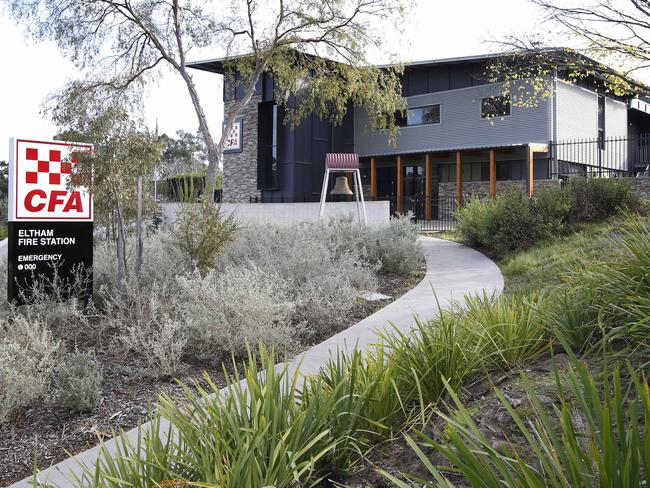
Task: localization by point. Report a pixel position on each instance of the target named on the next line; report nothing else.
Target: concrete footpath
(453, 271)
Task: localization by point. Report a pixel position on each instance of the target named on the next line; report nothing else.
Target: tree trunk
(215, 151)
(138, 230)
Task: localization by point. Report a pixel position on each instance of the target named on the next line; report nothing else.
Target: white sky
(435, 29)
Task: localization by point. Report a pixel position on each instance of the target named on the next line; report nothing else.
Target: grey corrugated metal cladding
(460, 125)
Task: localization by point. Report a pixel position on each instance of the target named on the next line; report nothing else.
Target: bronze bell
(341, 187)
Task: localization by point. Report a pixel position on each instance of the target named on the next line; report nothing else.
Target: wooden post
(427, 187)
(400, 185)
(459, 178)
(493, 174)
(373, 179)
(531, 173)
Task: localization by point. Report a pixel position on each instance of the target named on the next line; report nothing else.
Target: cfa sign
(234, 139)
(41, 174)
(50, 221)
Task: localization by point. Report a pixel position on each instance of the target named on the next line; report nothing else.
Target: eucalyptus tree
(119, 45)
(124, 152)
(609, 39)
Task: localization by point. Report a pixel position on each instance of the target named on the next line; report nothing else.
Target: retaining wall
(642, 186)
(290, 213)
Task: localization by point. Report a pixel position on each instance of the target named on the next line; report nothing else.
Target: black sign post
(50, 254)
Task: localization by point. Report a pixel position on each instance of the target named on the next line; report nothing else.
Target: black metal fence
(431, 214)
(601, 157)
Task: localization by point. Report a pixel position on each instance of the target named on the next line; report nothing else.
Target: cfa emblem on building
(50, 220)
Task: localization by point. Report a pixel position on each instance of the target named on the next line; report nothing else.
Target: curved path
(453, 271)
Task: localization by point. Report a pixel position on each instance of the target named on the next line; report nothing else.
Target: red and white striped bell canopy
(342, 161)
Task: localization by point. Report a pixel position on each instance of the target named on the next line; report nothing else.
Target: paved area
(453, 271)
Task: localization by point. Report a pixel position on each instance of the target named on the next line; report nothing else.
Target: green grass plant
(599, 438)
(257, 433)
(617, 284)
(545, 264)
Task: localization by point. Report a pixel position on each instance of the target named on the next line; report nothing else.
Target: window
(493, 107)
(429, 114)
(472, 172)
(447, 173)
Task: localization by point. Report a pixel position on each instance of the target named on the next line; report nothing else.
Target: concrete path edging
(453, 271)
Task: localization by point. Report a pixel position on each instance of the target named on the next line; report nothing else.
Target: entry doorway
(414, 187)
(387, 186)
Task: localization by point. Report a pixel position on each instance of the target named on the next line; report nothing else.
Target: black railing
(601, 157)
(431, 214)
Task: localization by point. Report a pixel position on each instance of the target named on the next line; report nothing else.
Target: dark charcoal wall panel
(438, 78)
(343, 134)
(460, 76)
(321, 129)
(264, 145)
(317, 168)
(417, 81)
(302, 175)
(286, 138)
(302, 141)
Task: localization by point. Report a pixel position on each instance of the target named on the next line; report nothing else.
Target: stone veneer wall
(642, 186)
(448, 189)
(240, 169)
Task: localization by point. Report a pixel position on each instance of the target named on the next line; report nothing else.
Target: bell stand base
(358, 193)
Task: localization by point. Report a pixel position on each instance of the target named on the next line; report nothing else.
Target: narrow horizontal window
(493, 107)
(429, 114)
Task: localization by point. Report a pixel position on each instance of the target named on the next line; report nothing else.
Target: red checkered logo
(40, 173)
(52, 168)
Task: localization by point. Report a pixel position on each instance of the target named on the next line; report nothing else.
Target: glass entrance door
(414, 190)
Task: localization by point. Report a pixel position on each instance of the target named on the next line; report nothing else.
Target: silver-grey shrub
(323, 281)
(149, 324)
(225, 311)
(396, 247)
(28, 356)
(79, 379)
(161, 263)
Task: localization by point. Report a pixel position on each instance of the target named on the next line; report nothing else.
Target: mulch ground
(48, 433)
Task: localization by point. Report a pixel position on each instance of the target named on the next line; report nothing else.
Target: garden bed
(397, 458)
(50, 432)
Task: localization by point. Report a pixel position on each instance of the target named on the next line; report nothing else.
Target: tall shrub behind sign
(50, 221)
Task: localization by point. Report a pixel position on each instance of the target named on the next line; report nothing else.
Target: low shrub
(227, 310)
(513, 222)
(321, 279)
(594, 199)
(79, 380)
(28, 356)
(162, 262)
(201, 231)
(396, 247)
(553, 204)
(149, 325)
(509, 222)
